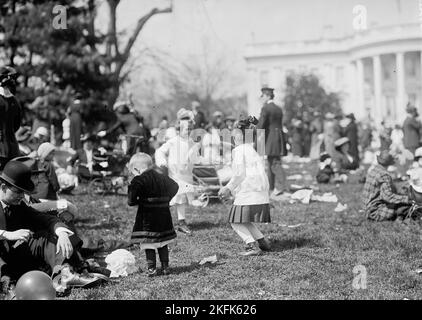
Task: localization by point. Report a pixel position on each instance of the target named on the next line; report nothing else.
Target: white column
(360, 86)
(377, 89)
(400, 97)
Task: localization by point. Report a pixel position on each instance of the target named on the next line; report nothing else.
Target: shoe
(264, 244)
(184, 228)
(251, 250)
(165, 269)
(151, 272)
(76, 280)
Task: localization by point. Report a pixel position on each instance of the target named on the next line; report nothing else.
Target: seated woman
(343, 159)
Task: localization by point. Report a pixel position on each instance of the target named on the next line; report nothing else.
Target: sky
(227, 26)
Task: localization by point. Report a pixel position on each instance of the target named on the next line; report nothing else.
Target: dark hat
(18, 175)
(31, 163)
(88, 137)
(385, 158)
(267, 90)
(7, 71)
(351, 116)
(324, 156)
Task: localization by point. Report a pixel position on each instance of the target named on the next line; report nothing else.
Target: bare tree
(117, 54)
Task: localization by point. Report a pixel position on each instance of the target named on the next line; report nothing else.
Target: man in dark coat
(30, 239)
(271, 120)
(411, 129)
(351, 132)
(10, 116)
(199, 116)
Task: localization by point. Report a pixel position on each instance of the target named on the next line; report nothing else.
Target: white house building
(377, 71)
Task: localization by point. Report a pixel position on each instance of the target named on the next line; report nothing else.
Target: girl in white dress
(179, 154)
(250, 188)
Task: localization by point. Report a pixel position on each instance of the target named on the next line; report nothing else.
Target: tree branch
(132, 39)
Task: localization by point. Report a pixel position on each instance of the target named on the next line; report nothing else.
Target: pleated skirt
(252, 213)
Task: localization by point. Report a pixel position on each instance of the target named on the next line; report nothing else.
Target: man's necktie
(3, 217)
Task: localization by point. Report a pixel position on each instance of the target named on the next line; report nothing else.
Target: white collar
(5, 92)
(270, 101)
(3, 204)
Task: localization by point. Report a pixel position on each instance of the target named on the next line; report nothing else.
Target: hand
(224, 192)
(21, 234)
(64, 246)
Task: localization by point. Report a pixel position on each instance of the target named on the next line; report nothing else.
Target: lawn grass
(312, 261)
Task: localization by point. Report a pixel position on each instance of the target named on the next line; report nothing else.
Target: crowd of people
(36, 223)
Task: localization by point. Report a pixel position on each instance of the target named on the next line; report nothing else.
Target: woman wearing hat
(412, 129)
(342, 157)
(129, 124)
(10, 115)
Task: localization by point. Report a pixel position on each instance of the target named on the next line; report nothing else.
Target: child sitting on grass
(153, 229)
(326, 171)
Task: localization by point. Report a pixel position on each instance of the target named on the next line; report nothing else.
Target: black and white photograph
(213, 155)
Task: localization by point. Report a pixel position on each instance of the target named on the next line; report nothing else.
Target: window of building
(340, 74)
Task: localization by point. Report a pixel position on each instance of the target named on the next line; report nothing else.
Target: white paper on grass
(303, 195)
(121, 263)
(326, 197)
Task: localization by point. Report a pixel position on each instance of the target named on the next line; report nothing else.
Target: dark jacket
(271, 120)
(48, 184)
(351, 132)
(10, 121)
(152, 192)
(411, 132)
(199, 119)
(343, 163)
(24, 217)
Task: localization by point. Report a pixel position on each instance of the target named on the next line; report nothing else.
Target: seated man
(30, 239)
(87, 157)
(380, 198)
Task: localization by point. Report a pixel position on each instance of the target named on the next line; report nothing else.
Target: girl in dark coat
(153, 229)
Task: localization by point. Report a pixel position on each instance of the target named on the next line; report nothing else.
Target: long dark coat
(271, 120)
(75, 129)
(152, 192)
(10, 120)
(412, 133)
(351, 132)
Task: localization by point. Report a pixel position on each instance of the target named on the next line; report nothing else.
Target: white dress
(249, 183)
(179, 155)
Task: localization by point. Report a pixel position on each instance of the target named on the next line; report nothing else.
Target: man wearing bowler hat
(271, 120)
(10, 115)
(29, 239)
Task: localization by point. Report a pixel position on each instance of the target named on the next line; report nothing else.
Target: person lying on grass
(153, 228)
(250, 187)
(380, 198)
